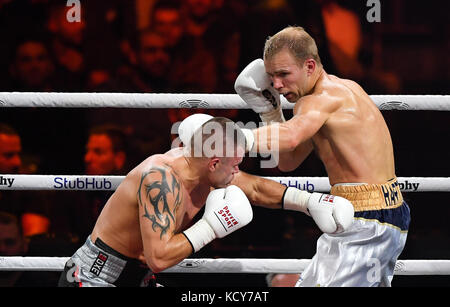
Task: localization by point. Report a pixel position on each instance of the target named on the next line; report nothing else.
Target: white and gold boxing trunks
(366, 253)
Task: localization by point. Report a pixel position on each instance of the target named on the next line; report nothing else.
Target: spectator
(153, 62)
(19, 19)
(32, 68)
(10, 150)
(75, 212)
(67, 48)
(227, 49)
(14, 243)
(105, 151)
(194, 66)
(106, 154)
(167, 21)
(110, 25)
(31, 207)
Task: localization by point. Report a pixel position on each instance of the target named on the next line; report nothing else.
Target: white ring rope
(206, 101)
(228, 265)
(110, 183)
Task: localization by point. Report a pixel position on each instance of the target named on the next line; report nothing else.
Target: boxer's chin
(291, 97)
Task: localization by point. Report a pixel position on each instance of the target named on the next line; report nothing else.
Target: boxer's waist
(105, 262)
(367, 197)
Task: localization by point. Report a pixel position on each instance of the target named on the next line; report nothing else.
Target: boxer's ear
(310, 66)
(213, 164)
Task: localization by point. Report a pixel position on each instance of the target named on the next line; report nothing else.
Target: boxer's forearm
(260, 191)
(287, 136)
(169, 254)
(273, 138)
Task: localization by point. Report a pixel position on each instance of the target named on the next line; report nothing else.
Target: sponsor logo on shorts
(226, 218)
(99, 263)
(391, 193)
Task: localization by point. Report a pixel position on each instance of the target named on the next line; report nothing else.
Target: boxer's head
(292, 61)
(220, 144)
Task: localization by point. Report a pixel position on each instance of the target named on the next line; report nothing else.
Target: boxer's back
(354, 144)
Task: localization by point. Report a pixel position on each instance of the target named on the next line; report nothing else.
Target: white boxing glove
(226, 210)
(253, 85)
(332, 214)
(190, 124)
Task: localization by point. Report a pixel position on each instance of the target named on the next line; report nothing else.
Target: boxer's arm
(290, 160)
(285, 137)
(306, 122)
(260, 191)
(159, 196)
(331, 215)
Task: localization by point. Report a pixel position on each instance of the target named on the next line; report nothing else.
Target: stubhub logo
(82, 183)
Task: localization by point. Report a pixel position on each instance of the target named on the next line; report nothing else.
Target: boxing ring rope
(204, 101)
(229, 265)
(110, 183)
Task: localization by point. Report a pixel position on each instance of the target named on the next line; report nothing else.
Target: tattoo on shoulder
(163, 216)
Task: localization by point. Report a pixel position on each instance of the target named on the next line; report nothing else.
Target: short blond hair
(296, 40)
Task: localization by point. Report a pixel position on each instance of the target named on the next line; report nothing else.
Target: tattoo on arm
(163, 215)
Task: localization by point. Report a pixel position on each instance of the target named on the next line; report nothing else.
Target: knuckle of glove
(240, 202)
(324, 220)
(343, 214)
(229, 210)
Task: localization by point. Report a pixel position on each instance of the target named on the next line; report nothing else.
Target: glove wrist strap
(199, 234)
(295, 199)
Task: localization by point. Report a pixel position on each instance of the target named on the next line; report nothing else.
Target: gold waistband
(371, 196)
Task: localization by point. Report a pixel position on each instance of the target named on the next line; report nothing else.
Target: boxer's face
(222, 170)
(289, 78)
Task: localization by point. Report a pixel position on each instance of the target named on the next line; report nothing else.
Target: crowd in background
(199, 46)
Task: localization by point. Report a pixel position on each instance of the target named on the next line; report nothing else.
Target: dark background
(406, 53)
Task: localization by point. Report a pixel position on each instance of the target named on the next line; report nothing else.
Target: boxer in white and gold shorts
(365, 254)
(338, 121)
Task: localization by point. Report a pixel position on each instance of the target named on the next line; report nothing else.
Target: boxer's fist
(226, 210)
(253, 85)
(332, 214)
